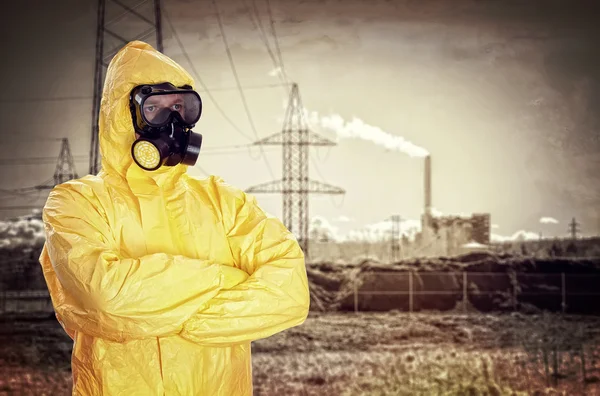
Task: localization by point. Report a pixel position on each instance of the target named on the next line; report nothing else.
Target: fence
(26, 303)
(422, 290)
(510, 290)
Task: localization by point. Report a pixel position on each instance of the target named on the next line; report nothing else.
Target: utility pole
(124, 24)
(395, 242)
(573, 228)
(296, 185)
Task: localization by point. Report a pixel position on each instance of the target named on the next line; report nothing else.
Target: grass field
(351, 354)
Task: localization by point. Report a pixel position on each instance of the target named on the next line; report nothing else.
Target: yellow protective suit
(163, 280)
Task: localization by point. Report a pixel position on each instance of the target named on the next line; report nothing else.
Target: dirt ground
(368, 354)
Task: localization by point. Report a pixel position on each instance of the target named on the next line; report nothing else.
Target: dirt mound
(478, 280)
(326, 287)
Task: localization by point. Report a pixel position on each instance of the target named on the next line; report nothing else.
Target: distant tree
(314, 234)
(555, 250)
(418, 239)
(571, 248)
(524, 250)
(405, 240)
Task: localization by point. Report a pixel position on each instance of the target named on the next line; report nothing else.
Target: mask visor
(157, 109)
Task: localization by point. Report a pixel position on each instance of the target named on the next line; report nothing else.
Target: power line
(233, 146)
(233, 69)
(37, 160)
(13, 193)
(295, 184)
(32, 139)
(31, 161)
(325, 180)
(28, 197)
(75, 98)
(25, 198)
(65, 170)
(231, 151)
(20, 207)
(57, 99)
(278, 63)
(199, 79)
(259, 26)
(278, 49)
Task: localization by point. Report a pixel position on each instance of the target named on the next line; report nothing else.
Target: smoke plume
(358, 129)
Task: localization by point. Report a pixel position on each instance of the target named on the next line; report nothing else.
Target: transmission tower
(125, 23)
(296, 185)
(395, 241)
(65, 167)
(573, 228)
(65, 170)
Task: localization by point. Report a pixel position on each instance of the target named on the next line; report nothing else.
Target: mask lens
(157, 108)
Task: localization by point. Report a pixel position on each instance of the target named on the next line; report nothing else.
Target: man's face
(157, 104)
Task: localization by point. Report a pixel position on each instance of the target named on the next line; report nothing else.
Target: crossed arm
(158, 295)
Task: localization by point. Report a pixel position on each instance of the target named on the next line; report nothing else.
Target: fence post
(410, 292)
(356, 294)
(515, 285)
(465, 291)
(564, 292)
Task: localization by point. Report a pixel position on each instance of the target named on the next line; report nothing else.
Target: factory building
(445, 235)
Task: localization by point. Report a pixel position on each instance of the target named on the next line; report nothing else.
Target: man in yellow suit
(163, 280)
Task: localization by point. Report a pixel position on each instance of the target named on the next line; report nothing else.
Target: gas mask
(163, 116)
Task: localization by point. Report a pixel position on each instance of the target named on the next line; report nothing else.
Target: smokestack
(428, 185)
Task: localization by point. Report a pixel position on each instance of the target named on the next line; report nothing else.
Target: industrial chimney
(428, 185)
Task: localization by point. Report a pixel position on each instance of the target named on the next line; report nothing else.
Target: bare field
(350, 354)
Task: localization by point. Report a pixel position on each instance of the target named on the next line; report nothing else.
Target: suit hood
(137, 63)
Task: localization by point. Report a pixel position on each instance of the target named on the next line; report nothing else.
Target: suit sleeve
(97, 291)
(276, 295)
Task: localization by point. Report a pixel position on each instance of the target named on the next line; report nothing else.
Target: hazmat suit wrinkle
(163, 280)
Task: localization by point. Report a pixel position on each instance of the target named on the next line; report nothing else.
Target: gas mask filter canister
(163, 116)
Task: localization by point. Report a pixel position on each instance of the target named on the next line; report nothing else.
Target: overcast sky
(503, 95)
